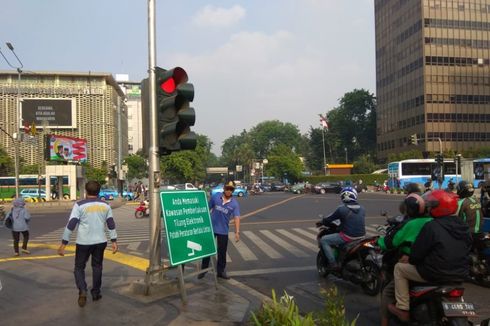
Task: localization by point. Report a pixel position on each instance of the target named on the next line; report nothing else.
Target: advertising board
(53, 113)
(63, 148)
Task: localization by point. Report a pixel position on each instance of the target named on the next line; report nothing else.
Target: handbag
(8, 221)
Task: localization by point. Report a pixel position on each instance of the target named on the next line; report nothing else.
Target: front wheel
(139, 214)
(323, 191)
(240, 194)
(371, 278)
(321, 264)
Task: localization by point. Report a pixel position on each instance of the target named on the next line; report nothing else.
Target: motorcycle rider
(401, 238)
(352, 226)
(439, 254)
(485, 198)
(469, 209)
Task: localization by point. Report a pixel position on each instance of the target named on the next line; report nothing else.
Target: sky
(250, 61)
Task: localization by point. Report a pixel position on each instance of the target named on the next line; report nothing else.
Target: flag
(323, 122)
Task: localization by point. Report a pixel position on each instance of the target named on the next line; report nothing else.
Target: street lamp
(345, 149)
(18, 118)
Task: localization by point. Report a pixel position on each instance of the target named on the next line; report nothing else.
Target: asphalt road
(277, 248)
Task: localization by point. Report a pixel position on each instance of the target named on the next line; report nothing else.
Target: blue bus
(28, 181)
(419, 171)
(481, 167)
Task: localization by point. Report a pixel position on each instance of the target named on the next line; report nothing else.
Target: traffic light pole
(155, 270)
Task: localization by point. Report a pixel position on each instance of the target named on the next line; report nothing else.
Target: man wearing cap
(223, 207)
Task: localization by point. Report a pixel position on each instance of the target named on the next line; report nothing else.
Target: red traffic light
(168, 86)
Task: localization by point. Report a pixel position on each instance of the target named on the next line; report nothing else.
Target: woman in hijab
(20, 219)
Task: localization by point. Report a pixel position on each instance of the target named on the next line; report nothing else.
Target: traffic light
(413, 139)
(175, 116)
(439, 159)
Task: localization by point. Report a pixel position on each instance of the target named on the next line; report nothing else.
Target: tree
(364, 165)
(6, 163)
(354, 123)
(137, 166)
(266, 135)
(284, 163)
(237, 150)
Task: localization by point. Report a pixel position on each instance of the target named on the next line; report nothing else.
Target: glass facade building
(432, 74)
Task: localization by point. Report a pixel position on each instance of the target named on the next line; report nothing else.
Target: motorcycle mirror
(383, 213)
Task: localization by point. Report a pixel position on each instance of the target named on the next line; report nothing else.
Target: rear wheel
(371, 281)
(240, 194)
(321, 264)
(322, 191)
(139, 214)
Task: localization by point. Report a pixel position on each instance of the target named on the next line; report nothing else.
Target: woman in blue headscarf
(20, 219)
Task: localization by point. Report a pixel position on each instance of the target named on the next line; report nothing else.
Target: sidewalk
(39, 289)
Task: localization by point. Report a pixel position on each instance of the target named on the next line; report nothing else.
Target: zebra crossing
(274, 244)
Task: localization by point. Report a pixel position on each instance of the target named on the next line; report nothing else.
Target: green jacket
(469, 209)
(404, 236)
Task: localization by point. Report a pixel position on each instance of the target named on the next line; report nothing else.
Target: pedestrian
(223, 207)
(91, 215)
(20, 224)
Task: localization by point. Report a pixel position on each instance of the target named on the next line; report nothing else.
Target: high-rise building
(135, 112)
(432, 75)
(83, 105)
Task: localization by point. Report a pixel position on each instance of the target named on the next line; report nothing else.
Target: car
(298, 188)
(278, 186)
(239, 190)
(32, 193)
(108, 193)
(324, 187)
(128, 195)
(185, 186)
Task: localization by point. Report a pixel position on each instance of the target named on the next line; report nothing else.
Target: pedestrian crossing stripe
(274, 244)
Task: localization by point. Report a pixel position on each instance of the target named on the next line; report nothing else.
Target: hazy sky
(249, 61)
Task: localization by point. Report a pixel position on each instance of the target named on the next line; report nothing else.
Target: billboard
(53, 113)
(63, 149)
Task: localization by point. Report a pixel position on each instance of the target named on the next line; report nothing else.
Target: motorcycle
(357, 261)
(430, 304)
(480, 260)
(143, 210)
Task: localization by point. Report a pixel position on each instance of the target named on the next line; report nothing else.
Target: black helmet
(414, 205)
(465, 189)
(411, 188)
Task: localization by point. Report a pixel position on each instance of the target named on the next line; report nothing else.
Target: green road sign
(187, 225)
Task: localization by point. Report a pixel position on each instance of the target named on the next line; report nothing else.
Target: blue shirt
(222, 213)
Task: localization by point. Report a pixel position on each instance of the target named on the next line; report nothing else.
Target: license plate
(455, 309)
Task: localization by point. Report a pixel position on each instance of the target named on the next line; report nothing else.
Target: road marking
(306, 233)
(133, 246)
(289, 247)
(262, 245)
(269, 206)
(242, 249)
(33, 257)
(271, 270)
(303, 242)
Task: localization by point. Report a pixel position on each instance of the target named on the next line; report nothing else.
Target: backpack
(8, 221)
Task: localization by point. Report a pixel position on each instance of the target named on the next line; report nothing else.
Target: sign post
(188, 229)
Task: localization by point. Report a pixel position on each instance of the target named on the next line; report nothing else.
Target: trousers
(222, 242)
(82, 254)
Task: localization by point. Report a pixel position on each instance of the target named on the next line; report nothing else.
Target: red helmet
(441, 203)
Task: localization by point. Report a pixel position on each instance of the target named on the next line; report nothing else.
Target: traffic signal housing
(413, 139)
(175, 116)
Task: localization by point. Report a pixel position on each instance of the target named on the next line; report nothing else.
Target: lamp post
(345, 149)
(18, 119)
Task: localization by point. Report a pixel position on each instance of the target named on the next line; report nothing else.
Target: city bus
(27, 181)
(481, 169)
(419, 171)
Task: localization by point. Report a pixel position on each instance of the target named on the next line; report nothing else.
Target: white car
(180, 186)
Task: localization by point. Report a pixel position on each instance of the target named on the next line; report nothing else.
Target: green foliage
(237, 150)
(30, 169)
(137, 167)
(333, 313)
(393, 157)
(6, 164)
(97, 174)
(266, 135)
(283, 312)
(284, 163)
(364, 165)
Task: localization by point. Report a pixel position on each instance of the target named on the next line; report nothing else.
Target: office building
(432, 75)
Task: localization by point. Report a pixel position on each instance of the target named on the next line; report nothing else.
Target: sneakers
(16, 253)
(25, 251)
(403, 315)
(82, 299)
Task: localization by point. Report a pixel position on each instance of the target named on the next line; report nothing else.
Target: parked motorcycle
(357, 261)
(143, 210)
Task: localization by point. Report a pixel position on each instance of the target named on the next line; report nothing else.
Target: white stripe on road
(289, 247)
(306, 233)
(308, 244)
(262, 245)
(242, 249)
